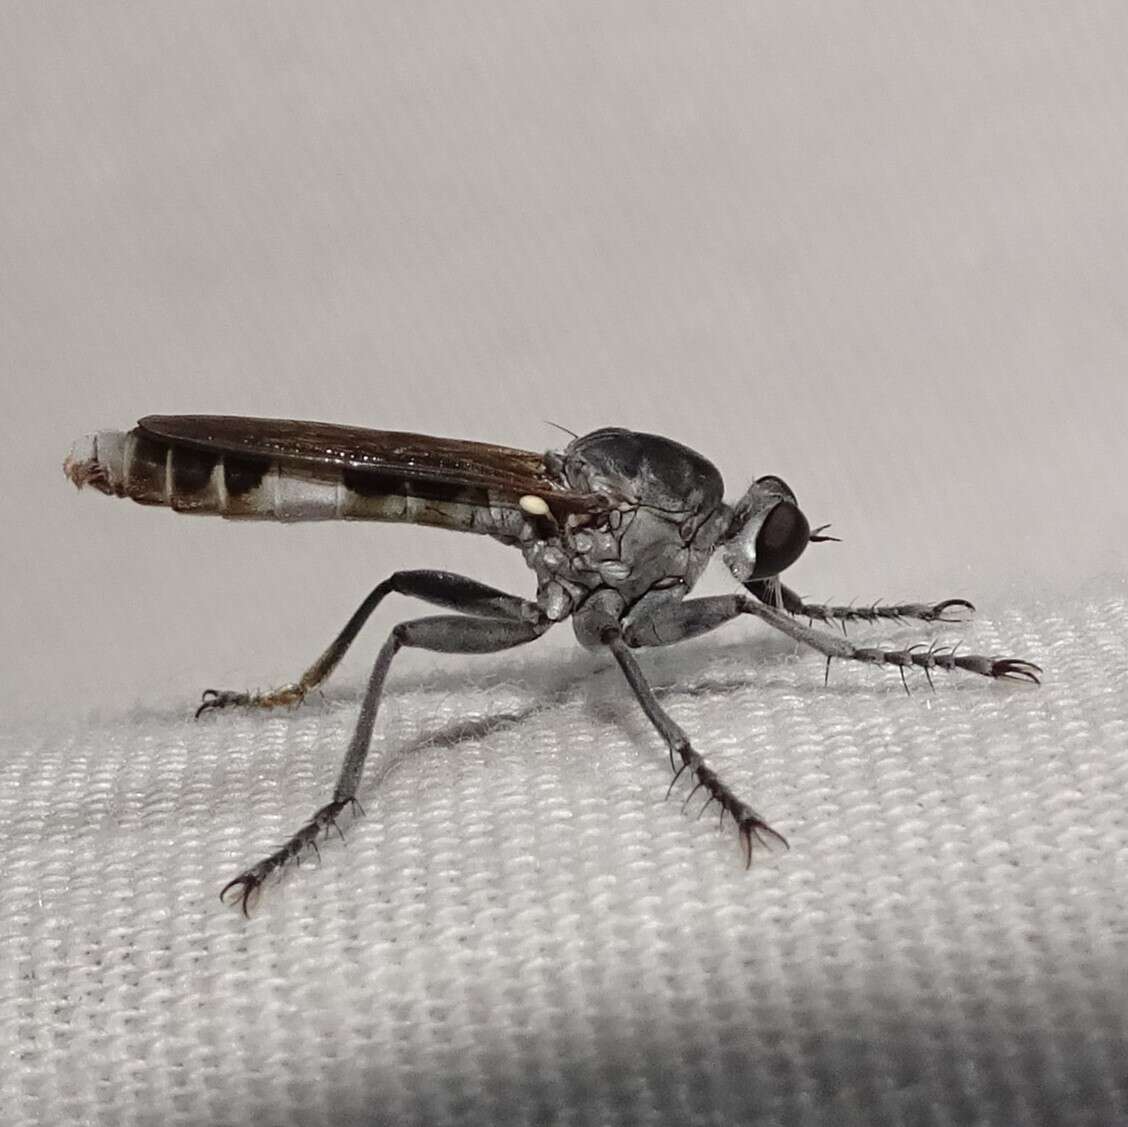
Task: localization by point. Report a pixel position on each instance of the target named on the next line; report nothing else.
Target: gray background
(880, 249)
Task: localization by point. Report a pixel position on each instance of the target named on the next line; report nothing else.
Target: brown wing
(419, 457)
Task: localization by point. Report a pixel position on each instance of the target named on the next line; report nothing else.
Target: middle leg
(749, 824)
(676, 622)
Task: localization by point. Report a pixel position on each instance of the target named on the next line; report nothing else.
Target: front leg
(775, 594)
(666, 622)
(1000, 668)
(675, 622)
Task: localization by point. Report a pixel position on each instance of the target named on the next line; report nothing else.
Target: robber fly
(617, 528)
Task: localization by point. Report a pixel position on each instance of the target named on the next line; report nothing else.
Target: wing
(507, 472)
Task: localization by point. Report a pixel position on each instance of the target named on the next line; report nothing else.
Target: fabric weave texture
(521, 929)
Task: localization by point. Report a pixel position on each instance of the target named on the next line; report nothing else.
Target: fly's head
(767, 533)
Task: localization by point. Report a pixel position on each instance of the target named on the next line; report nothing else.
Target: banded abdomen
(155, 471)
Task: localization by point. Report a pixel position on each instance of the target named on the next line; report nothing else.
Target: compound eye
(776, 485)
(781, 540)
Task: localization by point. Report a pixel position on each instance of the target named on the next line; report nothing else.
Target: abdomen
(151, 471)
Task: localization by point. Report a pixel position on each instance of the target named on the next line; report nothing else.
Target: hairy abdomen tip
(95, 459)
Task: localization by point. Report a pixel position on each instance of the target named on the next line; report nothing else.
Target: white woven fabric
(521, 930)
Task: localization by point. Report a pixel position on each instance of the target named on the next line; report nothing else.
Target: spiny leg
(831, 646)
(670, 622)
(441, 634)
(678, 621)
(442, 588)
(749, 824)
(776, 594)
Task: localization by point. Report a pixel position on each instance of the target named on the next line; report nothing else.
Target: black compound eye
(781, 540)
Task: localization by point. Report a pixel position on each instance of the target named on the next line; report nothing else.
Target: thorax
(664, 517)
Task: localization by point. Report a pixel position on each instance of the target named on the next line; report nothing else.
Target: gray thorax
(652, 545)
